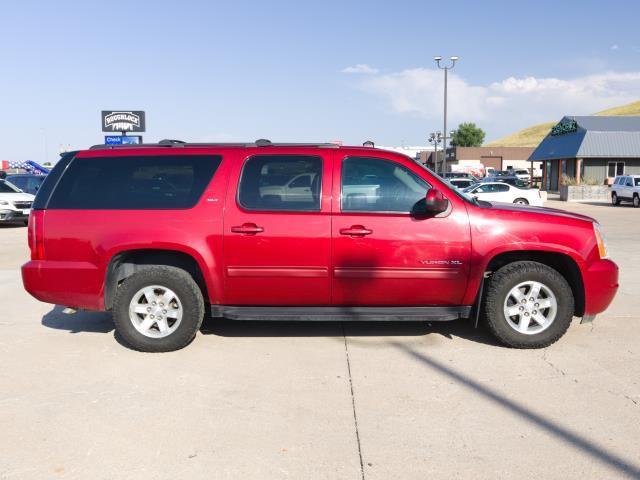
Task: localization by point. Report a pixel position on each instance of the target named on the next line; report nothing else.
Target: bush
(572, 181)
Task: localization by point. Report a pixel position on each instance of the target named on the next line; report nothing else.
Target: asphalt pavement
(320, 401)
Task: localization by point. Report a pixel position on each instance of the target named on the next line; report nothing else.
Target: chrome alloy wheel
(530, 307)
(155, 311)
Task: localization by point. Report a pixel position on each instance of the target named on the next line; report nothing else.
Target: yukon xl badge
(440, 262)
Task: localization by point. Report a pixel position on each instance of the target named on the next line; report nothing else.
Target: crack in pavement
(548, 362)
(353, 401)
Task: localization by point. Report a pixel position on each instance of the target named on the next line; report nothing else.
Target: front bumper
(13, 216)
(600, 286)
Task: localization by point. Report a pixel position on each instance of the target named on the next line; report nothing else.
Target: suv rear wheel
(636, 200)
(158, 309)
(528, 305)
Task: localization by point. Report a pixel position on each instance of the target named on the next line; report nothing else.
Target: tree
(467, 135)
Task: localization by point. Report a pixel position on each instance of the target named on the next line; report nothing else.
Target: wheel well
(125, 264)
(564, 264)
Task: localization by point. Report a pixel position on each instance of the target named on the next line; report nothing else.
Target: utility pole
(435, 138)
(446, 69)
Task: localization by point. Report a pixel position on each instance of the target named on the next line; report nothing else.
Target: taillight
(36, 234)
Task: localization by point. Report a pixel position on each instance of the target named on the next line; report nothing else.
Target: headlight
(601, 241)
(4, 202)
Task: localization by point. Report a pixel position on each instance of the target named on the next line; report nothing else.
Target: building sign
(562, 128)
(123, 121)
(122, 139)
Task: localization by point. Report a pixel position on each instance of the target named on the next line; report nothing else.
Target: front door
(277, 229)
(384, 252)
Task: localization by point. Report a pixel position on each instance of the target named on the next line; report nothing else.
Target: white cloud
(504, 106)
(360, 68)
(614, 46)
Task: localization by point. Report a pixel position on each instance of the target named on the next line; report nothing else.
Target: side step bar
(324, 314)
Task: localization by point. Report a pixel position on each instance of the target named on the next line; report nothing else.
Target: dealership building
(594, 148)
(498, 158)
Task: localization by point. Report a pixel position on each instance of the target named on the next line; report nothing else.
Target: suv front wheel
(528, 305)
(614, 199)
(158, 309)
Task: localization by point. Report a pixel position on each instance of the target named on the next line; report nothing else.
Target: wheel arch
(561, 262)
(127, 262)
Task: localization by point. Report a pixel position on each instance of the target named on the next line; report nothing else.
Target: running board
(332, 314)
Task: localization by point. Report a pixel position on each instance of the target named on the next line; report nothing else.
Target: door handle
(247, 229)
(356, 231)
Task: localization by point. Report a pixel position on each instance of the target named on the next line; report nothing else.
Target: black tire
(503, 281)
(636, 200)
(521, 201)
(614, 199)
(188, 293)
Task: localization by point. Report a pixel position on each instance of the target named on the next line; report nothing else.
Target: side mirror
(435, 202)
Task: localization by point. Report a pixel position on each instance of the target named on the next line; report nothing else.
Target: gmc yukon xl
(163, 234)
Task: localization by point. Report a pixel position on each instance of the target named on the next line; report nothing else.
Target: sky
(305, 71)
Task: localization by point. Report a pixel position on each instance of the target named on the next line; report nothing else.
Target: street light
(435, 138)
(446, 69)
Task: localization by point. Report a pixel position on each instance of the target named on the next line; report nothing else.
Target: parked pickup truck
(162, 234)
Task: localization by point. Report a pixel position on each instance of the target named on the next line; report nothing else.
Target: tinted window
(502, 188)
(281, 182)
(20, 182)
(136, 182)
(51, 180)
(629, 182)
(376, 185)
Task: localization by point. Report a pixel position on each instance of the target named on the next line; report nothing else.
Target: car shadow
(101, 322)
(451, 329)
(79, 322)
(12, 225)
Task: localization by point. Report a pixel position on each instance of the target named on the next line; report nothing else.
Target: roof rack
(262, 142)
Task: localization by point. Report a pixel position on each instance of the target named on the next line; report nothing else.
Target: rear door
(384, 253)
(277, 228)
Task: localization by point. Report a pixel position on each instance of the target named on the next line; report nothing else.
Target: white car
(298, 189)
(523, 175)
(626, 187)
(15, 205)
(461, 183)
(505, 193)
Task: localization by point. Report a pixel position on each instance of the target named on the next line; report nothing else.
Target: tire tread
(493, 304)
(187, 330)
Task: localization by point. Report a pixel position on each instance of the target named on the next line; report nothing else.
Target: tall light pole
(435, 138)
(446, 69)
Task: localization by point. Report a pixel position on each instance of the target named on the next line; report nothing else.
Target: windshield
(6, 187)
(458, 193)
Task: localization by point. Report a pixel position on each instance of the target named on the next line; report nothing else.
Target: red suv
(162, 235)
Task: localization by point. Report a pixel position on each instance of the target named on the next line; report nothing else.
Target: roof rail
(262, 142)
(168, 141)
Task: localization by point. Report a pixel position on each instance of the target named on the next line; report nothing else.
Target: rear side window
(136, 182)
(281, 182)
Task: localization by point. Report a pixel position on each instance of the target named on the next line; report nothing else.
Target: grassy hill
(532, 136)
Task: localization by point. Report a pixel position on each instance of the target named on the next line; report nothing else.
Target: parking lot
(323, 400)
